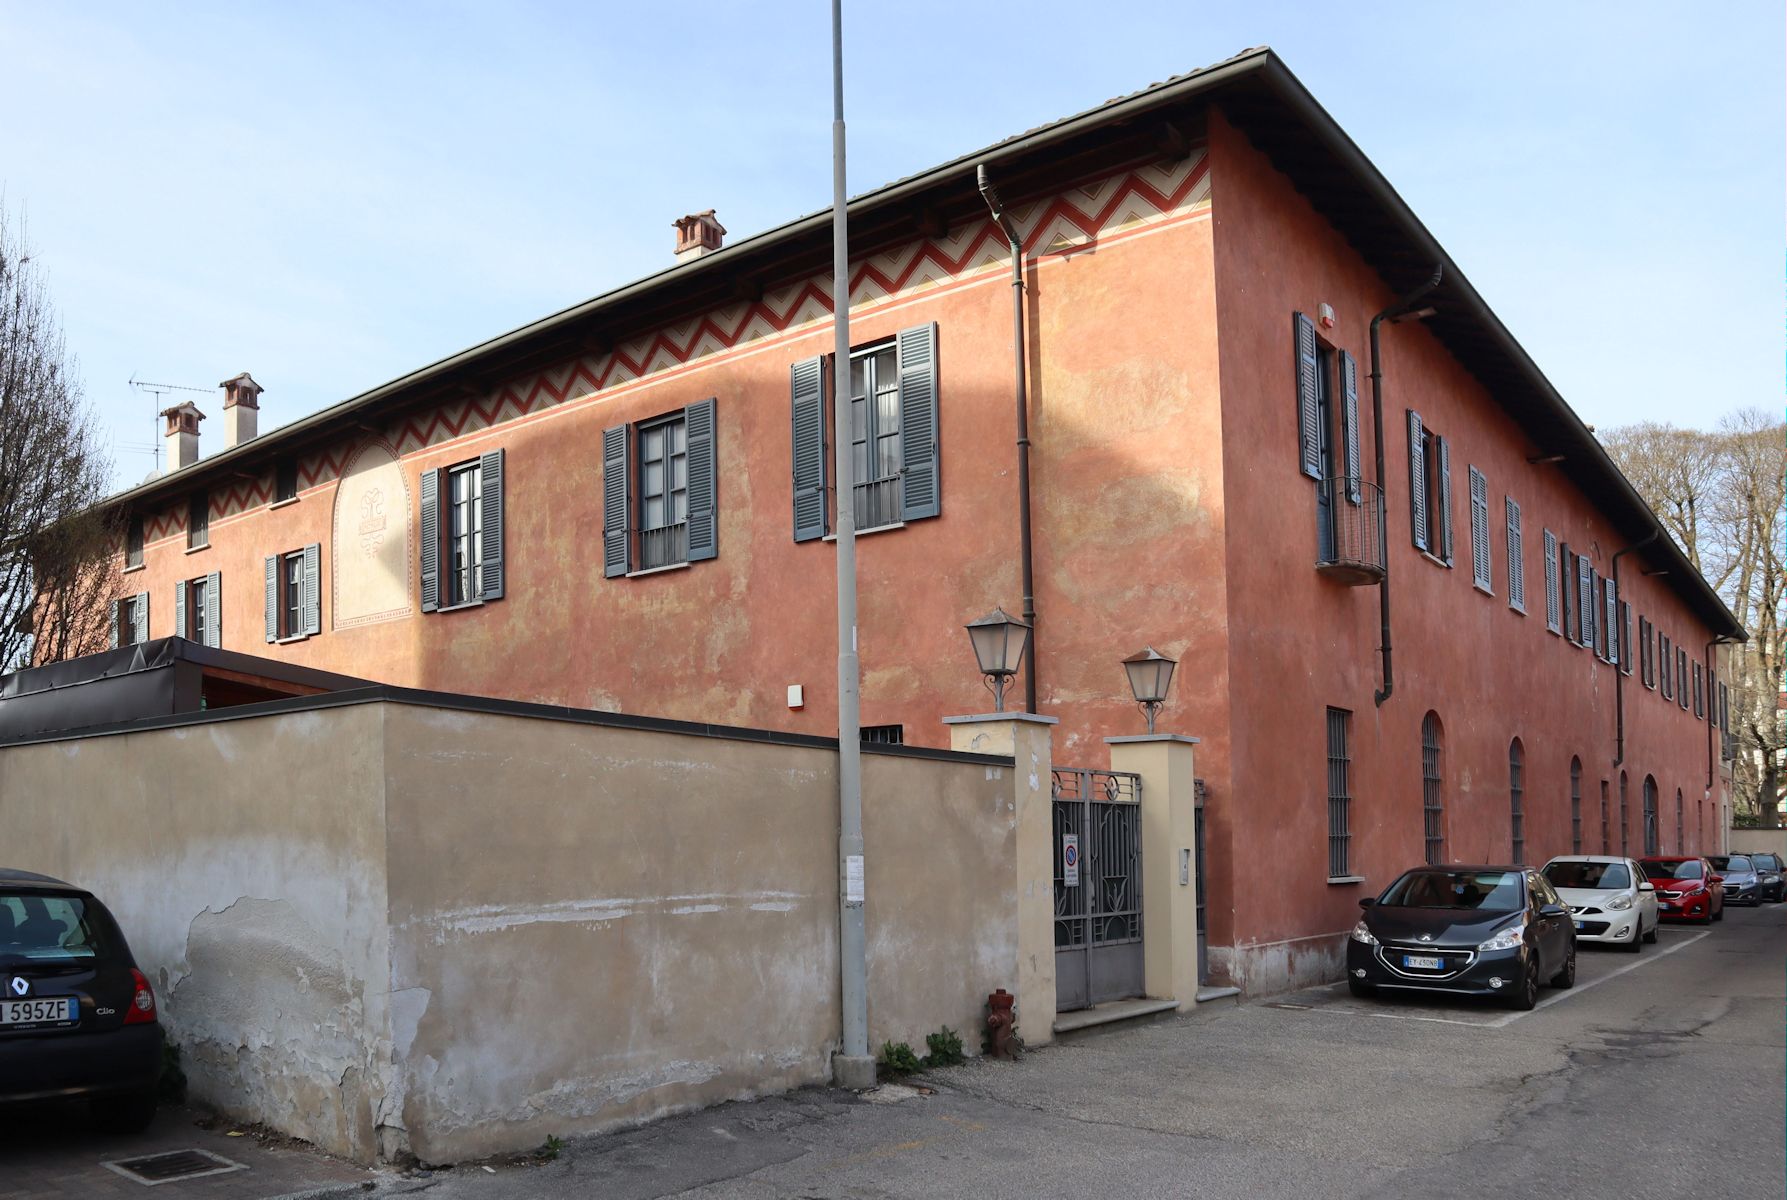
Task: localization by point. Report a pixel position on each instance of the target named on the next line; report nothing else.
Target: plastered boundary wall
(391, 926)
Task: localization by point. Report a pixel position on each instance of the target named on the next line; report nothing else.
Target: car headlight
(1507, 939)
(1620, 903)
(1363, 935)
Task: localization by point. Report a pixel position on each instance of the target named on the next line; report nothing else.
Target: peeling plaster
(492, 918)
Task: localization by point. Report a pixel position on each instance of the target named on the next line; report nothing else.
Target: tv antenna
(157, 390)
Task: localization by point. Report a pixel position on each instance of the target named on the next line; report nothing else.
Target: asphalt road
(1658, 1074)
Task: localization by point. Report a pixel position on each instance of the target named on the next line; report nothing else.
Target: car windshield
(1736, 862)
(1765, 862)
(1686, 869)
(36, 928)
(1588, 875)
(1490, 891)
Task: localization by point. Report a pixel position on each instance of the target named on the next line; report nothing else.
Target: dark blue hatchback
(77, 1018)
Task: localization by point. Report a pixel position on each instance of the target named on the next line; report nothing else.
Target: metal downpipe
(990, 195)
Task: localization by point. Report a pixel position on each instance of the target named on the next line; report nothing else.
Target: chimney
(697, 234)
(182, 434)
(241, 409)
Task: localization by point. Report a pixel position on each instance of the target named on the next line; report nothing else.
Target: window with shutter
(617, 500)
(1566, 560)
(1594, 633)
(1681, 678)
(704, 482)
(1585, 602)
(1480, 531)
(1553, 615)
(214, 610)
(1699, 696)
(180, 607)
(811, 469)
(1610, 624)
(659, 489)
(431, 541)
(272, 597)
(1308, 411)
(1417, 481)
(1349, 420)
(1441, 533)
(921, 492)
(1516, 557)
(1627, 647)
(133, 543)
(491, 484)
(312, 599)
(140, 618)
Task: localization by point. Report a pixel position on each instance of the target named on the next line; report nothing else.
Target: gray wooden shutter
(1585, 603)
(273, 591)
(141, 632)
(704, 481)
(114, 641)
(1309, 413)
(1349, 417)
(1417, 482)
(1516, 556)
(617, 496)
(1611, 591)
(1443, 542)
(180, 609)
(920, 482)
(490, 526)
(431, 540)
(1480, 530)
(1551, 593)
(1626, 652)
(312, 598)
(214, 609)
(807, 398)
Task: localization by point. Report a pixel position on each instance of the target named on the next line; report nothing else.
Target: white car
(1608, 896)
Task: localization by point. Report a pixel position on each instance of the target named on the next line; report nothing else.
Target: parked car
(77, 1018)
(1688, 889)
(1609, 898)
(1771, 877)
(1738, 872)
(1481, 930)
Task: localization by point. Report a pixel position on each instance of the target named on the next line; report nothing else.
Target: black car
(77, 1018)
(1771, 879)
(1478, 930)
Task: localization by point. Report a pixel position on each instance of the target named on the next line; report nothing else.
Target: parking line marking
(1576, 991)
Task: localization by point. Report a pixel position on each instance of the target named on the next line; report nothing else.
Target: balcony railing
(664, 546)
(1352, 537)
(878, 502)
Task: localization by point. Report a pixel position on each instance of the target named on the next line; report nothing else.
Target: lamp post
(1150, 675)
(999, 640)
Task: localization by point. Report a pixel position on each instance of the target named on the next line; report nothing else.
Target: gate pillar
(1029, 739)
(1169, 860)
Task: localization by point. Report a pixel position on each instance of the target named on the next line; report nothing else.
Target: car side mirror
(1551, 910)
(1647, 886)
(1367, 901)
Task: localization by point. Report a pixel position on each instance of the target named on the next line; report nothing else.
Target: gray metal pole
(853, 1067)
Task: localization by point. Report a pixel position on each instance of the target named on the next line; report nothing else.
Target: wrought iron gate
(1203, 927)
(1098, 886)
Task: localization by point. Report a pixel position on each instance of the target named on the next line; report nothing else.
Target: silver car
(1608, 896)
(1741, 884)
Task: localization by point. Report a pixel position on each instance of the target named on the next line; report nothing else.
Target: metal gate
(1203, 927)
(1098, 886)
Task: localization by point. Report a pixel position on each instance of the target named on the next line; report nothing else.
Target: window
(1681, 678)
(1516, 557)
(198, 607)
(1432, 804)
(1553, 615)
(1667, 670)
(130, 620)
(462, 533)
(1680, 847)
(1567, 563)
(1430, 490)
(1650, 816)
(884, 735)
(1728, 742)
(1327, 429)
(1480, 574)
(893, 426)
(1575, 806)
(1516, 799)
(1627, 646)
(198, 520)
(1339, 792)
(294, 594)
(285, 480)
(1625, 821)
(133, 543)
(1606, 832)
(1610, 620)
(1586, 601)
(1699, 692)
(658, 490)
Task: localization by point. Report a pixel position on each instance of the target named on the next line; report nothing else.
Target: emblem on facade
(372, 521)
(20, 985)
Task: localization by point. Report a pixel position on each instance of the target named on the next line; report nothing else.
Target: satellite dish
(152, 476)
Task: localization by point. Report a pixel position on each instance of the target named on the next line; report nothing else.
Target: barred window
(1432, 803)
(1575, 806)
(1650, 815)
(1339, 792)
(1516, 800)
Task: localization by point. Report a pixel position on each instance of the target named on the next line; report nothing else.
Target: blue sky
(330, 195)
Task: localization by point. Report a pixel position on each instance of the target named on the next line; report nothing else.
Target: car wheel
(1526, 995)
(124, 1114)
(1638, 938)
(1364, 991)
(1567, 977)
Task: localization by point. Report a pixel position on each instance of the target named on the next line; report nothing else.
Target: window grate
(1339, 793)
(1516, 798)
(884, 735)
(1432, 806)
(1679, 847)
(1575, 806)
(1650, 815)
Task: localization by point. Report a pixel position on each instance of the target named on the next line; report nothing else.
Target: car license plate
(1579, 926)
(58, 1010)
(1422, 962)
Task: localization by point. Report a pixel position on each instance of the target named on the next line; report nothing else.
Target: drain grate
(152, 1169)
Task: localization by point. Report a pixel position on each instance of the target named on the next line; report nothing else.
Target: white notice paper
(853, 879)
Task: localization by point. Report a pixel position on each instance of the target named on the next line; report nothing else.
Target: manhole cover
(152, 1169)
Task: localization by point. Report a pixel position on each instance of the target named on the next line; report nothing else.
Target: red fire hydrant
(1002, 1025)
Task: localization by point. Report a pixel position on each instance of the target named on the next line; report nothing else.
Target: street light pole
(852, 1067)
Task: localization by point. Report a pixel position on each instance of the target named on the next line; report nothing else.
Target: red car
(1688, 889)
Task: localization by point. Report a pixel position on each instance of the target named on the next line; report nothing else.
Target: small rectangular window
(127, 622)
(1699, 693)
(291, 595)
(285, 480)
(663, 493)
(198, 520)
(465, 546)
(1339, 793)
(133, 542)
(1681, 678)
(884, 735)
(197, 604)
(875, 435)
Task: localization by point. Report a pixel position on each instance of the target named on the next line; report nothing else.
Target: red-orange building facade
(1171, 240)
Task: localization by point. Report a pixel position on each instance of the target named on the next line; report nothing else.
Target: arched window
(1575, 806)
(1516, 795)
(1650, 814)
(1625, 823)
(1432, 806)
(1679, 847)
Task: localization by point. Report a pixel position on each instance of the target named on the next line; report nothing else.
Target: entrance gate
(1098, 886)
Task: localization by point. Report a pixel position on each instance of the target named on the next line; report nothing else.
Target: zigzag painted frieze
(1145, 194)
